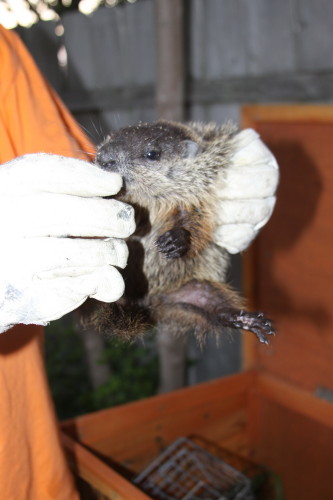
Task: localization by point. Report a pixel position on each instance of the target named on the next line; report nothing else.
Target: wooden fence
(238, 51)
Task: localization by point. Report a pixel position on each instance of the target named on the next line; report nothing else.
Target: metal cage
(186, 471)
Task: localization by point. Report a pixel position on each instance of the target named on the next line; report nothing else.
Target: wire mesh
(185, 471)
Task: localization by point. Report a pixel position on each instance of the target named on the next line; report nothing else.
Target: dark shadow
(298, 196)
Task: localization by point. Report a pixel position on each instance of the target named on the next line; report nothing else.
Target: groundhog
(176, 272)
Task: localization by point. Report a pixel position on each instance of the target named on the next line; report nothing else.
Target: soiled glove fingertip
(127, 221)
(110, 285)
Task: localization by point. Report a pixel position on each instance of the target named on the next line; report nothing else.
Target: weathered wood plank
(269, 37)
(141, 41)
(217, 43)
(196, 38)
(108, 98)
(313, 34)
(94, 50)
(305, 87)
(113, 47)
(170, 74)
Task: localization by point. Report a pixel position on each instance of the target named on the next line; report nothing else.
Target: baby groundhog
(176, 272)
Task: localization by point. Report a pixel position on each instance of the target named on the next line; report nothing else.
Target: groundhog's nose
(105, 159)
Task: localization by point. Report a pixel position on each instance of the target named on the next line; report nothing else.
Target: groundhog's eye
(153, 155)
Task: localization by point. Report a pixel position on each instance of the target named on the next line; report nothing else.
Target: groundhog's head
(161, 161)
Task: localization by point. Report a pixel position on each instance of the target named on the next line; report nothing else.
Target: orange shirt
(32, 463)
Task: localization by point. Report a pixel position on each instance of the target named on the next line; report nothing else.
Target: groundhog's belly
(164, 275)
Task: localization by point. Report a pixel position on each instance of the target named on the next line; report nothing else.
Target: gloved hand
(246, 192)
(59, 238)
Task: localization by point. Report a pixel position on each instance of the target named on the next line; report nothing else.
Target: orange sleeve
(32, 117)
(32, 463)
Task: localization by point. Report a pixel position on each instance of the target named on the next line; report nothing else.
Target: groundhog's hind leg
(214, 306)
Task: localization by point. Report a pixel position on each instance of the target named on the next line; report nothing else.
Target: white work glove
(59, 240)
(246, 192)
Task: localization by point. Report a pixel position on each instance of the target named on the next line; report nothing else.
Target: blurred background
(115, 63)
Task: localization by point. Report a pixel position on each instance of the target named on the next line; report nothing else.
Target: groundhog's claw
(174, 243)
(256, 322)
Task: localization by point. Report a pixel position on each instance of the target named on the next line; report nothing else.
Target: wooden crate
(278, 411)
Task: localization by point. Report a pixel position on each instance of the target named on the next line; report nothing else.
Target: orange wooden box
(278, 411)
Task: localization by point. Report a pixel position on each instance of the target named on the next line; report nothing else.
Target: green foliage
(134, 373)
(66, 369)
(134, 370)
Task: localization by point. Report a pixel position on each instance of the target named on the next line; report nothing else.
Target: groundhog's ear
(190, 149)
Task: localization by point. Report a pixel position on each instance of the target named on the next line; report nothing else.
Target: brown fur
(176, 273)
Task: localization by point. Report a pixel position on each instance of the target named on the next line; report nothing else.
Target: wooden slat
(252, 115)
(295, 399)
(152, 439)
(294, 439)
(133, 434)
(137, 449)
(270, 45)
(263, 418)
(97, 426)
(170, 64)
(237, 443)
(87, 466)
(310, 18)
(208, 93)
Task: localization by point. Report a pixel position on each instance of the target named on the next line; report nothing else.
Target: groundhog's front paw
(255, 322)
(174, 243)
